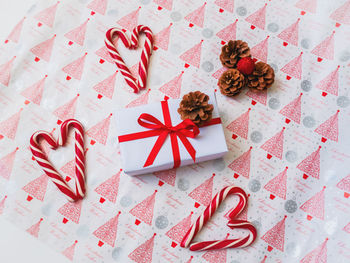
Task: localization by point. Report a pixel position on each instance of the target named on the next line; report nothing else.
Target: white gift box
(209, 144)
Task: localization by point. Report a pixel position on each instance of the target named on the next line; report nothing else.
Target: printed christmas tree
(109, 188)
(71, 211)
(228, 32)
(98, 6)
(307, 5)
(130, 21)
(257, 19)
(260, 96)
(264, 259)
(330, 83)
(107, 233)
(329, 128)
(167, 4)
(293, 110)
(173, 87)
(325, 49)
(69, 169)
(294, 68)
(203, 193)
(44, 49)
(34, 93)
(319, 254)
(274, 145)
(193, 55)
(2, 204)
(275, 236)
(5, 72)
(314, 207)
(36, 188)
(346, 228)
(6, 164)
(69, 251)
(190, 260)
(219, 72)
(218, 255)
(15, 34)
(47, 16)
(227, 5)
(342, 14)
(144, 210)
(75, 68)
(344, 185)
(99, 132)
(105, 56)
(290, 34)
(141, 100)
(241, 165)
(162, 38)
(106, 86)
(9, 126)
(311, 165)
(278, 185)
(261, 50)
(34, 229)
(196, 17)
(67, 110)
(239, 127)
(167, 176)
(177, 232)
(143, 253)
(77, 35)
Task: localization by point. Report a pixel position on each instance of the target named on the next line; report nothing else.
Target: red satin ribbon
(183, 130)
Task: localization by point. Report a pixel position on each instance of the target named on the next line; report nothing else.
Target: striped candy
(233, 223)
(135, 83)
(48, 168)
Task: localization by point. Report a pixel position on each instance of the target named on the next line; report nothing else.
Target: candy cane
(42, 160)
(233, 223)
(140, 82)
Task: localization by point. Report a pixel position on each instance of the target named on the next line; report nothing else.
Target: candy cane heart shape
(233, 223)
(139, 82)
(48, 168)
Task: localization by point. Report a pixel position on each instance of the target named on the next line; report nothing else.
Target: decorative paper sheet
(54, 66)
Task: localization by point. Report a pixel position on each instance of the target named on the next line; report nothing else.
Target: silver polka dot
(125, 201)
(256, 136)
(305, 43)
(306, 85)
(343, 101)
(176, 16)
(309, 122)
(254, 185)
(291, 156)
(274, 103)
(207, 66)
(272, 27)
(345, 56)
(116, 253)
(290, 206)
(183, 184)
(241, 11)
(161, 222)
(219, 164)
(207, 33)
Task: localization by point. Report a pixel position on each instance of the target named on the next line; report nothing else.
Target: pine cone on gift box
(231, 82)
(194, 106)
(233, 52)
(262, 77)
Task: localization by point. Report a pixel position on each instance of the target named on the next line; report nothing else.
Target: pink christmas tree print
(2, 204)
(330, 83)
(162, 38)
(203, 193)
(9, 126)
(5, 72)
(193, 55)
(34, 229)
(141, 100)
(130, 21)
(264, 259)
(294, 68)
(190, 260)
(257, 19)
(77, 35)
(99, 132)
(67, 110)
(98, 6)
(69, 169)
(197, 16)
(47, 16)
(106, 86)
(167, 176)
(342, 14)
(44, 49)
(173, 87)
(71, 211)
(219, 72)
(344, 185)
(6, 164)
(34, 93)
(109, 188)
(36, 188)
(314, 207)
(227, 5)
(311, 165)
(107, 233)
(292, 110)
(143, 253)
(177, 232)
(329, 128)
(16, 32)
(214, 256)
(75, 68)
(275, 236)
(307, 5)
(69, 251)
(144, 210)
(290, 34)
(274, 145)
(228, 32)
(167, 4)
(278, 185)
(261, 50)
(239, 127)
(325, 49)
(260, 96)
(318, 255)
(346, 228)
(105, 56)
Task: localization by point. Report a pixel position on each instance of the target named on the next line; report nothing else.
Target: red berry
(246, 65)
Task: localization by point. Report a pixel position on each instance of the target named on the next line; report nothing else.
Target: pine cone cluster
(233, 52)
(195, 106)
(231, 82)
(262, 77)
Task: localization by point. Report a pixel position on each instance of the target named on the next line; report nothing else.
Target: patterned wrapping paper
(301, 213)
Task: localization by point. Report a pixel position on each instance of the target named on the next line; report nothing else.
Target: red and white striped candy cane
(135, 83)
(48, 168)
(233, 223)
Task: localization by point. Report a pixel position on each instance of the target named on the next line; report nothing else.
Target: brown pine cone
(234, 51)
(231, 82)
(262, 77)
(194, 106)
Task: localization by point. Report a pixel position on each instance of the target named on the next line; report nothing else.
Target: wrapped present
(153, 137)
